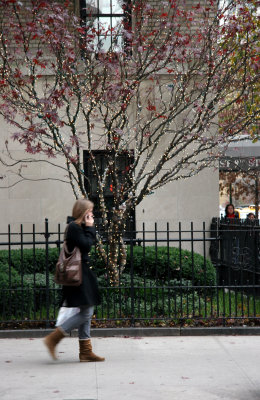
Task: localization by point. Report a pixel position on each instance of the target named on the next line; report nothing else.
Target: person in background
(250, 216)
(230, 212)
(232, 238)
(80, 233)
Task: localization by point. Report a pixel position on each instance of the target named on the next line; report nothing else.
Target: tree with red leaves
(155, 94)
(247, 22)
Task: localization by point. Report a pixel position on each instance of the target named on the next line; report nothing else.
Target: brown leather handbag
(69, 267)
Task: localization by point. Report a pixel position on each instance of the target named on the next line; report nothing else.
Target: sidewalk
(140, 368)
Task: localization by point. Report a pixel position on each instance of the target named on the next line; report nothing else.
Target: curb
(236, 330)
(137, 332)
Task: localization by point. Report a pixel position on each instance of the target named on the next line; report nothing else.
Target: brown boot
(52, 340)
(85, 352)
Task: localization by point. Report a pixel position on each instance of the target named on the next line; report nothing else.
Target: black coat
(87, 293)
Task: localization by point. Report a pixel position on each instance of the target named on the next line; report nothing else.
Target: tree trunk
(115, 255)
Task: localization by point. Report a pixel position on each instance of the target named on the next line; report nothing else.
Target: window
(105, 16)
(91, 182)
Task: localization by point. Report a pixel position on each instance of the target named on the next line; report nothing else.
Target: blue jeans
(82, 321)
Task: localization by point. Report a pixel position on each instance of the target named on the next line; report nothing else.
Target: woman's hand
(89, 219)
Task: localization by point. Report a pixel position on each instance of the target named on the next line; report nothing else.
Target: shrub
(146, 262)
(29, 261)
(159, 265)
(22, 297)
(37, 285)
(15, 296)
(7, 276)
(151, 299)
(152, 264)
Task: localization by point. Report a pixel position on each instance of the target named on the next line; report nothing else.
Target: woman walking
(80, 233)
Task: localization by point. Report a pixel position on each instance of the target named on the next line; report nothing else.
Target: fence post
(9, 269)
(132, 279)
(47, 235)
(22, 271)
(180, 260)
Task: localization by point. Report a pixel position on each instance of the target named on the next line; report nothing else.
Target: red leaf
(42, 5)
(151, 108)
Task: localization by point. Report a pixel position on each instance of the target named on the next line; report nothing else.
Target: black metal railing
(168, 279)
(236, 251)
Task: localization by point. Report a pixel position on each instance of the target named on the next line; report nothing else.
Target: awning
(242, 155)
(243, 148)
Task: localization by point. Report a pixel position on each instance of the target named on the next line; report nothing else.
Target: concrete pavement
(140, 368)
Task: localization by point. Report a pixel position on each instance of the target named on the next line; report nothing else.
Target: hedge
(32, 261)
(20, 298)
(152, 264)
(175, 265)
(150, 300)
(15, 298)
(146, 262)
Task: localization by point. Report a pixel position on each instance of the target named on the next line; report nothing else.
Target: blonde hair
(80, 208)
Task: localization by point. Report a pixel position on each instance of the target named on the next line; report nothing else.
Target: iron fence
(236, 252)
(168, 279)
